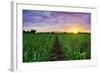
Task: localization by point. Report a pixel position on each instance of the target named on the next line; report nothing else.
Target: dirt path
(56, 51)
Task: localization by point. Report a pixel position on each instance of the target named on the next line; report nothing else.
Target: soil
(57, 54)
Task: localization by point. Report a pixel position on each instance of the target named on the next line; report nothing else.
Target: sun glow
(76, 28)
(75, 32)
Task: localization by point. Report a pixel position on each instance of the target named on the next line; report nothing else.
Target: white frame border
(18, 66)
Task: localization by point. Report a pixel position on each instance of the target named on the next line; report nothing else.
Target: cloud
(44, 20)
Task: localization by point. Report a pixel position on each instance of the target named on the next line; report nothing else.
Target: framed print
(52, 36)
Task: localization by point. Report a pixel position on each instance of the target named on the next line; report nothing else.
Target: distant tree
(52, 32)
(33, 31)
(64, 32)
(24, 31)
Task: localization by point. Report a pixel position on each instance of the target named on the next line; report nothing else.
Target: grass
(75, 46)
(37, 47)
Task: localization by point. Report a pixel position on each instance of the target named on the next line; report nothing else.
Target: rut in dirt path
(56, 51)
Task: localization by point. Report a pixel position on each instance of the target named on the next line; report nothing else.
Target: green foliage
(37, 47)
(76, 46)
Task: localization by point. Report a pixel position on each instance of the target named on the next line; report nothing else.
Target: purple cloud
(54, 18)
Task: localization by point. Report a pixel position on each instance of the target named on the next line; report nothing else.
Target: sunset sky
(48, 21)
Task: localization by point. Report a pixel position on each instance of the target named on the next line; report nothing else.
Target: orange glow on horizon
(70, 28)
(75, 28)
